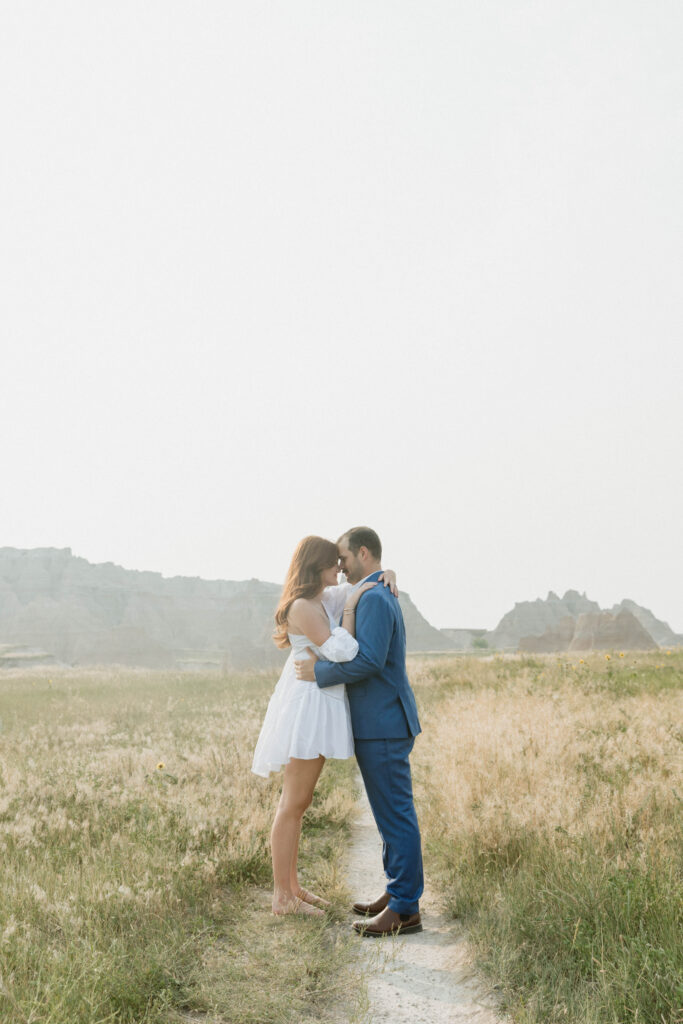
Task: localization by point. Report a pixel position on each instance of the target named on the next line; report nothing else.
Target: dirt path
(424, 978)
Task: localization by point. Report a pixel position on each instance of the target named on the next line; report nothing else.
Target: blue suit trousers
(385, 768)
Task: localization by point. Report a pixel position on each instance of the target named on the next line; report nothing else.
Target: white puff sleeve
(339, 646)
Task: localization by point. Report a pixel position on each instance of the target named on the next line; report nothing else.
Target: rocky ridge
(574, 622)
(57, 606)
(592, 631)
(533, 618)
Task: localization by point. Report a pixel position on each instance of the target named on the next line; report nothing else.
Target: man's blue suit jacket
(380, 697)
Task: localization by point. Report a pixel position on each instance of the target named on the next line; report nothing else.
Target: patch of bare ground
(425, 978)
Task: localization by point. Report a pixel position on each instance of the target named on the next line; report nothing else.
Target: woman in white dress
(304, 724)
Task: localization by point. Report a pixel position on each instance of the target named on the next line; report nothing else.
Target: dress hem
(264, 774)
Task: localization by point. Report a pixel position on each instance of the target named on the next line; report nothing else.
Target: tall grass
(550, 796)
(134, 850)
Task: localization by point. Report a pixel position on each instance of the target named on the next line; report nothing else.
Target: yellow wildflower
(160, 766)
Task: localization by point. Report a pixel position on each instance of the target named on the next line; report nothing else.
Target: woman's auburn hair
(312, 556)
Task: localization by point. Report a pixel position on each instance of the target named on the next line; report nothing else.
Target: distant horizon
(244, 579)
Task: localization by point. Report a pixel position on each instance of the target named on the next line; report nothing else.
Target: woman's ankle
(283, 897)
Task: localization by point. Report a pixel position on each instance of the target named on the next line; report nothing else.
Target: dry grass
(134, 843)
(556, 826)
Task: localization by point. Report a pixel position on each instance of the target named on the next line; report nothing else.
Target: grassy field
(136, 871)
(134, 849)
(550, 795)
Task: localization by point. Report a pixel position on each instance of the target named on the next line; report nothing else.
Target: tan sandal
(298, 906)
(312, 899)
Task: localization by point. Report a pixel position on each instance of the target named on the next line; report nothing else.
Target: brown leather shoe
(388, 922)
(370, 909)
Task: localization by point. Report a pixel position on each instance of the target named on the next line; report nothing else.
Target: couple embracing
(344, 690)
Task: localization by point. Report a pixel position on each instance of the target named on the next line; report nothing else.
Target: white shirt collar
(360, 583)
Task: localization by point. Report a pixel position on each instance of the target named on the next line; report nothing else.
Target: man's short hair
(363, 537)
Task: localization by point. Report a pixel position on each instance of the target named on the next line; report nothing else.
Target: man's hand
(306, 669)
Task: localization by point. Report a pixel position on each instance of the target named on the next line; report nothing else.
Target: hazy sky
(272, 269)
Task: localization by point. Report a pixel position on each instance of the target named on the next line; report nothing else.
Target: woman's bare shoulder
(301, 610)
(302, 604)
(309, 618)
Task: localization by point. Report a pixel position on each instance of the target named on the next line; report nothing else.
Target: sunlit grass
(136, 866)
(550, 798)
(136, 871)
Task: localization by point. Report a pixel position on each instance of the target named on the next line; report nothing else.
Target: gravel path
(426, 978)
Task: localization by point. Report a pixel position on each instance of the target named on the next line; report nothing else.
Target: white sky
(271, 269)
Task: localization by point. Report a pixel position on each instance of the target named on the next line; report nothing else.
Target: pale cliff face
(82, 613)
(592, 631)
(533, 618)
(552, 625)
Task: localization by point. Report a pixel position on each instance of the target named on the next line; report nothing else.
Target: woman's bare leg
(293, 875)
(303, 894)
(300, 778)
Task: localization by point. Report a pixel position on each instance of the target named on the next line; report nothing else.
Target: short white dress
(303, 720)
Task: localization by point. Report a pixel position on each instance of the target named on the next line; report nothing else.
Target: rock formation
(420, 635)
(660, 631)
(605, 631)
(87, 614)
(80, 613)
(555, 638)
(533, 618)
(592, 631)
(54, 605)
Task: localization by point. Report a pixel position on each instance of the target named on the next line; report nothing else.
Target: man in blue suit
(385, 724)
